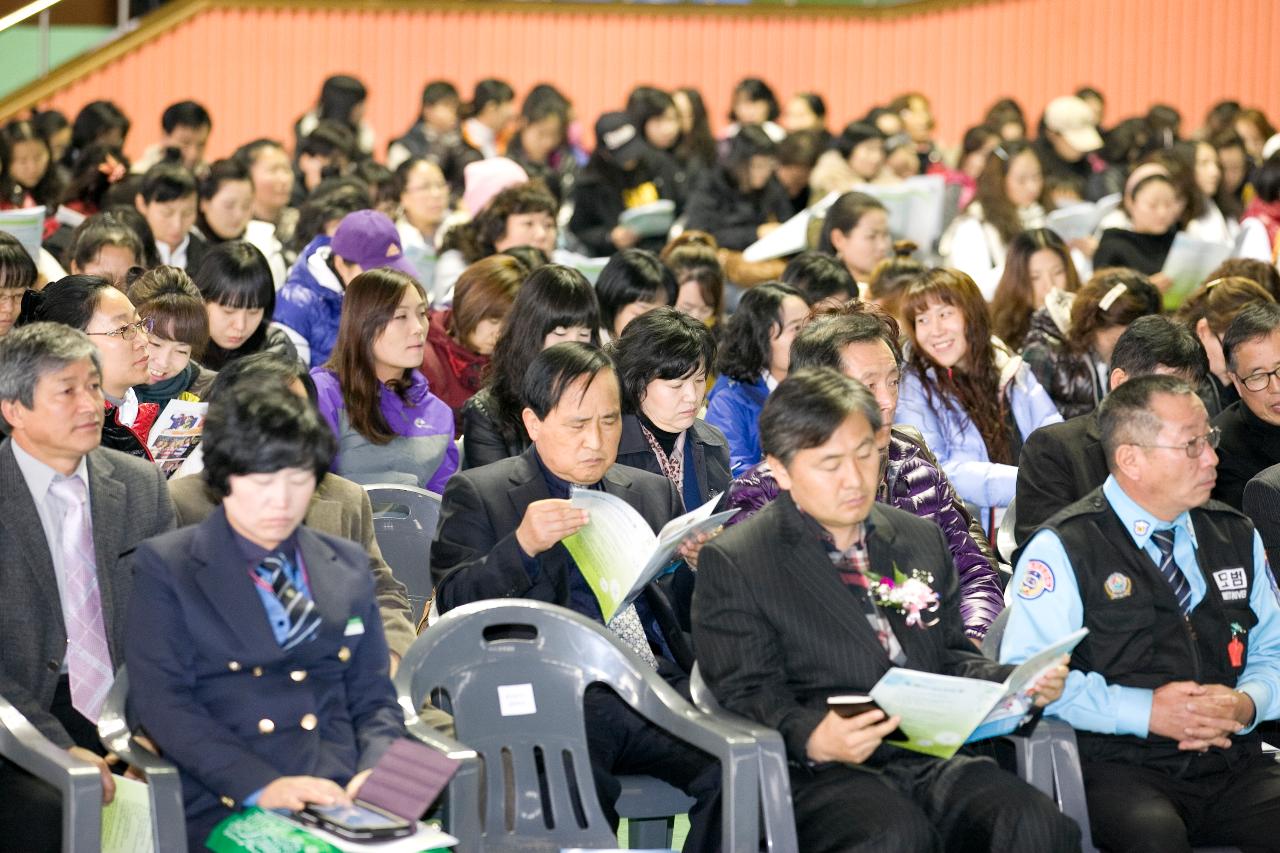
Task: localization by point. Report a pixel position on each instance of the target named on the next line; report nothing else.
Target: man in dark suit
(1251, 425)
(256, 656)
(501, 527)
(1062, 463)
(68, 511)
(783, 620)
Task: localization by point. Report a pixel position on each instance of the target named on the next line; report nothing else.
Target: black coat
(1060, 464)
(599, 199)
(1248, 445)
(485, 439)
(717, 206)
(710, 455)
(475, 555)
(778, 633)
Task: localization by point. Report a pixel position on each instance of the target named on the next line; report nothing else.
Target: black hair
(184, 114)
(48, 190)
(71, 300)
(530, 257)
(815, 103)
(132, 218)
(745, 347)
(1155, 341)
(220, 172)
(1266, 180)
(1125, 416)
(339, 95)
(17, 270)
(437, 91)
(333, 199)
(488, 91)
(102, 229)
(1089, 92)
(755, 89)
(50, 122)
(844, 216)
(235, 274)
(248, 152)
(750, 141)
(91, 177)
(820, 276)
(807, 408)
(329, 139)
(1252, 323)
(662, 344)
(554, 296)
(854, 134)
(261, 431)
(632, 275)
(384, 186)
(802, 148)
(261, 370)
(820, 343)
(167, 181)
(543, 101)
(645, 103)
(555, 369)
(94, 120)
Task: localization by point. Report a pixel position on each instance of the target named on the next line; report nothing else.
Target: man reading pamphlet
(787, 615)
(501, 535)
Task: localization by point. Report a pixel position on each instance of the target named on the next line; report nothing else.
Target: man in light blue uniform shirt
(1183, 656)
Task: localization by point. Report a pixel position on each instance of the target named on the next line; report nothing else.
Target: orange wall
(257, 69)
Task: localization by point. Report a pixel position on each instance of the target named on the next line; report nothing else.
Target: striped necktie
(299, 609)
(1169, 569)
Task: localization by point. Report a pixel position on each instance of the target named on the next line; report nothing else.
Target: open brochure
(1189, 263)
(650, 220)
(27, 225)
(618, 554)
(941, 713)
(916, 207)
(791, 237)
(176, 433)
(259, 830)
(1080, 220)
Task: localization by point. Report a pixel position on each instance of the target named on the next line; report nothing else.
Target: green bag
(256, 831)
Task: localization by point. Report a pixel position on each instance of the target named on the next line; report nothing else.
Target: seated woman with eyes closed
(239, 297)
(556, 304)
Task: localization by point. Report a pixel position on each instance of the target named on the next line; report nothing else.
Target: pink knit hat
(484, 179)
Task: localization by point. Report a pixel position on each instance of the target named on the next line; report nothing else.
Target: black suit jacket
(1262, 505)
(1060, 464)
(223, 700)
(778, 632)
(128, 502)
(475, 555)
(710, 455)
(1248, 445)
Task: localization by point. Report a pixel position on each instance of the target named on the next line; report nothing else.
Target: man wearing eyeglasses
(1183, 655)
(1251, 425)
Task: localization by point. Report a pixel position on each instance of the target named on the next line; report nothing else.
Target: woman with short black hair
(663, 359)
(239, 297)
(632, 283)
(741, 201)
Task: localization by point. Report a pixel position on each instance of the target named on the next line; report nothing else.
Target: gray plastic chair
(168, 820)
(77, 781)
(1005, 542)
(473, 652)
(404, 522)
(775, 775)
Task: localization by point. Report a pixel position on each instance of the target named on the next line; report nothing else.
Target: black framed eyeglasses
(1195, 446)
(129, 331)
(1260, 380)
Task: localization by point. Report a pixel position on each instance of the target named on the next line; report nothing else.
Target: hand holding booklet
(941, 713)
(618, 554)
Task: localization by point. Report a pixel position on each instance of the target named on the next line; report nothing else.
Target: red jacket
(454, 373)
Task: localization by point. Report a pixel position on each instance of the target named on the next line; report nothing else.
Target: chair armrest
(1049, 759)
(79, 782)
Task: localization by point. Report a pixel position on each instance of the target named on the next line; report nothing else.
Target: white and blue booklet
(941, 713)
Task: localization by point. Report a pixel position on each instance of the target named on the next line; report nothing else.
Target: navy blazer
(221, 699)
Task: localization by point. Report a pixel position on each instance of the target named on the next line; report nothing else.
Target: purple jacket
(913, 484)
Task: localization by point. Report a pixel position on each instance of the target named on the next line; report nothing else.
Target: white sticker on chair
(516, 700)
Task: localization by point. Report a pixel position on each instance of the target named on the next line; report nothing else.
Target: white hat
(1071, 118)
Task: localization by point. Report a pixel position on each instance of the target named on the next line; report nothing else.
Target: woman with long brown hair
(974, 402)
(390, 427)
(1038, 264)
(1009, 200)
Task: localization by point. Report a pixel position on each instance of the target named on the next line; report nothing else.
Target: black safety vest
(1139, 638)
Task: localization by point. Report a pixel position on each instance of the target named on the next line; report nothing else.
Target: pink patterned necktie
(88, 658)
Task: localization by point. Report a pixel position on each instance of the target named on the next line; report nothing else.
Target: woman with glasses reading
(91, 304)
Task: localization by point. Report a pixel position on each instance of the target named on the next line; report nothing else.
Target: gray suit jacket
(340, 508)
(129, 503)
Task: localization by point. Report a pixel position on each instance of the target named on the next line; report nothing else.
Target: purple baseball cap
(368, 238)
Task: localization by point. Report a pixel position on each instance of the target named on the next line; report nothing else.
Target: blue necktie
(1168, 568)
(299, 609)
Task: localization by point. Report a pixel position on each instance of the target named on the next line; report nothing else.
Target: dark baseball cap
(618, 136)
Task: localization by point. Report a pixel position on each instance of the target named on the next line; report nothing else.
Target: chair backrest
(1262, 505)
(515, 673)
(1005, 543)
(404, 522)
(995, 633)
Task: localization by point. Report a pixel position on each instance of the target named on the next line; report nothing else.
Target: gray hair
(1125, 415)
(807, 408)
(36, 350)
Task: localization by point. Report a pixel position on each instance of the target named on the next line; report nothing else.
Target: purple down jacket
(913, 484)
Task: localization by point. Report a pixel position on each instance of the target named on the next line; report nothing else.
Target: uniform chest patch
(1232, 583)
(1117, 585)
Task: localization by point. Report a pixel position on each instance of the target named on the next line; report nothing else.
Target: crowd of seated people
(487, 311)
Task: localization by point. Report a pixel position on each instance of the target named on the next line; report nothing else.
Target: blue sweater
(734, 407)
